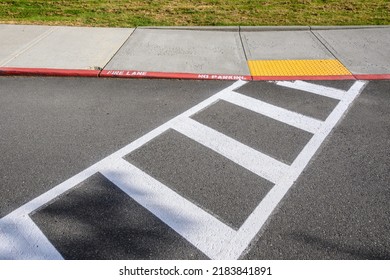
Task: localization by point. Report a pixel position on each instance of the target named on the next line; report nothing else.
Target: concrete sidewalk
(216, 53)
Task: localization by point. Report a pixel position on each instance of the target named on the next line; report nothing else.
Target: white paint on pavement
(280, 114)
(20, 238)
(13, 239)
(247, 157)
(193, 223)
(314, 88)
(164, 127)
(260, 215)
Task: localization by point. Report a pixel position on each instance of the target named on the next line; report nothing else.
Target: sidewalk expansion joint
(128, 38)
(28, 46)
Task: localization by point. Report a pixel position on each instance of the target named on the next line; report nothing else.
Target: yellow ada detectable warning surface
(317, 67)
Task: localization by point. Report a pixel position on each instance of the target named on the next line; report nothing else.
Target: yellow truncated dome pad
(317, 67)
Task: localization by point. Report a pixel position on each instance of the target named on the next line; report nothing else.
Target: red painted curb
(14, 71)
(372, 76)
(171, 75)
(307, 78)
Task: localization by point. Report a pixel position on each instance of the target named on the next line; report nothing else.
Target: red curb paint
(14, 71)
(171, 75)
(306, 78)
(372, 76)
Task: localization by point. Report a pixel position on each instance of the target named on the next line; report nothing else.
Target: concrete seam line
(244, 49)
(28, 46)
(327, 46)
(346, 27)
(275, 28)
(233, 28)
(325, 43)
(242, 43)
(117, 51)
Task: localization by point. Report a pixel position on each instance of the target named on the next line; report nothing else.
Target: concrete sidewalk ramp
(66, 48)
(364, 51)
(180, 53)
(285, 44)
(293, 53)
(207, 53)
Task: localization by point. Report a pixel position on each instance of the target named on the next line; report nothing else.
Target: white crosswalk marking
(260, 215)
(314, 88)
(291, 118)
(187, 219)
(259, 163)
(21, 238)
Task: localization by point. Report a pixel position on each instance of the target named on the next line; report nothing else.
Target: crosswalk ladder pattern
(20, 238)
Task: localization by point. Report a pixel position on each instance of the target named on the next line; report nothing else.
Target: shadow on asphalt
(96, 220)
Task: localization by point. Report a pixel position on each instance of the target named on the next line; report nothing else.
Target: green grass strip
(121, 13)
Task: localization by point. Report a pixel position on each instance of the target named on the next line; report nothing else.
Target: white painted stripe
(259, 216)
(313, 88)
(10, 223)
(27, 46)
(154, 133)
(83, 175)
(193, 223)
(56, 191)
(251, 159)
(21, 239)
(292, 118)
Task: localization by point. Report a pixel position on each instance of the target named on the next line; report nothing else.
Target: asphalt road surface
(170, 169)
